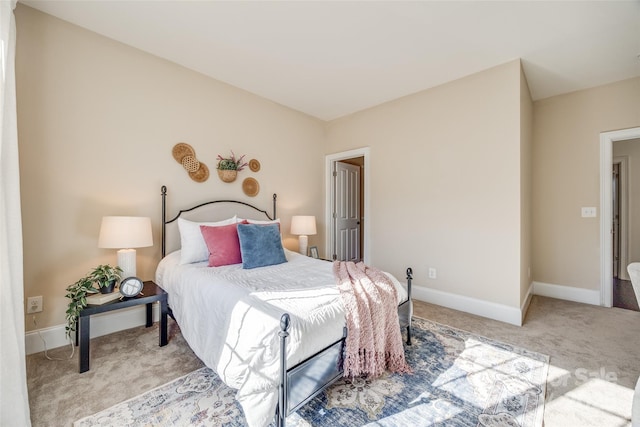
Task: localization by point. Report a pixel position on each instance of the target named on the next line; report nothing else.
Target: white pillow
(193, 247)
(257, 221)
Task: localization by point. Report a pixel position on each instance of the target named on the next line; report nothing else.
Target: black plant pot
(109, 288)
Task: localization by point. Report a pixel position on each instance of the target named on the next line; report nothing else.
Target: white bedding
(230, 317)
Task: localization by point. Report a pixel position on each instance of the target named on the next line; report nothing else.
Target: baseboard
(101, 324)
(108, 323)
(527, 301)
(569, 293)
(491, 310)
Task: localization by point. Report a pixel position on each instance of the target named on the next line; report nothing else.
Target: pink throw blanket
(374, 340)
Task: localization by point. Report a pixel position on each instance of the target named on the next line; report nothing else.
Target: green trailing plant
(99, 277)
(77, 294)
(231, 163)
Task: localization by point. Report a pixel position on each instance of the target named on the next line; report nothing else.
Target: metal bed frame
(302, 382)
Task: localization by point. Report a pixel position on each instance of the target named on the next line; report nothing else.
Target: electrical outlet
(433, 274)
(34, 304)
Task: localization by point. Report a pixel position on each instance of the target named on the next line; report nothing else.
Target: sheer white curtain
(14, 409)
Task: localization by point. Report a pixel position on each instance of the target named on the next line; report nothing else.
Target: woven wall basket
(227, 175)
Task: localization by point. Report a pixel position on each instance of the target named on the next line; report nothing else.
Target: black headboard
(246, 206)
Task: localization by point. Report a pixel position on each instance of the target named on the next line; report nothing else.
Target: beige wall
(445, 173)
(469, 177)
(96, 123)
(566, 177)
(631, 150)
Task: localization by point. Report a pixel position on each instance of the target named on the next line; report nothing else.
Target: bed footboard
(281, 413)
(405, 310)
(304, 381)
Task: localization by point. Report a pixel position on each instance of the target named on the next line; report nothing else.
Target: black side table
(150, 293)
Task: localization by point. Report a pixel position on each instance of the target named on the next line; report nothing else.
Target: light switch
(589, 212)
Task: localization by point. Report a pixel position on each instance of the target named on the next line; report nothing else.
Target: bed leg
(281, 412)
(409, 279)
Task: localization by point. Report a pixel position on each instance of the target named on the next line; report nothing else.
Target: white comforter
(230, 317)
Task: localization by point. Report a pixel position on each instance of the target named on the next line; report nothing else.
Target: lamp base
(127, 262)
(303, 244)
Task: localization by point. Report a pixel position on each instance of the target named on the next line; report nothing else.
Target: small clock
(130, 287)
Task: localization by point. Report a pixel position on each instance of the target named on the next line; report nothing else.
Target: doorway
(625, 155)
(607, 139)
(348, 211)
(619, 226)
(347, 205)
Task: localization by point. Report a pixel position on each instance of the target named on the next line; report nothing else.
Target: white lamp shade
(120, 232)
(303, 225)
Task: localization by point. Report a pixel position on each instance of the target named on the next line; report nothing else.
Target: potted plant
(104, 276)
(228, 167)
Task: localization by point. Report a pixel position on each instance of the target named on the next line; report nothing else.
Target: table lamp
(303, 226)
(125, 233)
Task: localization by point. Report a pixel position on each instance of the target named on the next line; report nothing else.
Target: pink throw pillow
(223, 244)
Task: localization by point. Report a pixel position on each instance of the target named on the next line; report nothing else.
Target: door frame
(606, 220)
(330, 159)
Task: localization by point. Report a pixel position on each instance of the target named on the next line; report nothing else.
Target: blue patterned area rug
(458, 379)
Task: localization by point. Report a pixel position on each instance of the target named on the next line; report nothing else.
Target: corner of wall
(524, 307)
(567, 293)
(490, 310)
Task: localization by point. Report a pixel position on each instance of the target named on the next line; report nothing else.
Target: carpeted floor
(594, 363)
(457, 377)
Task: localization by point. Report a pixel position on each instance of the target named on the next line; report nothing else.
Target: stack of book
(99, 299)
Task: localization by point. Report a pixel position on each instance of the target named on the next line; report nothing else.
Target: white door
(347, 212)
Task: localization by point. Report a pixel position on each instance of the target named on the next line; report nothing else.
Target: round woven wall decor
(254, 165)
(186, 156)
(182, 149)
(250, 187)
(201, 175)
(190, 163)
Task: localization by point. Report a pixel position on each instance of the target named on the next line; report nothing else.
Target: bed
(275, 333)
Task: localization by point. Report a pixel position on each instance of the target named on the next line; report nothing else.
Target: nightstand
(150, 293)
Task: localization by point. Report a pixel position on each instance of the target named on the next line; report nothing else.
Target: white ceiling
(332, 58)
